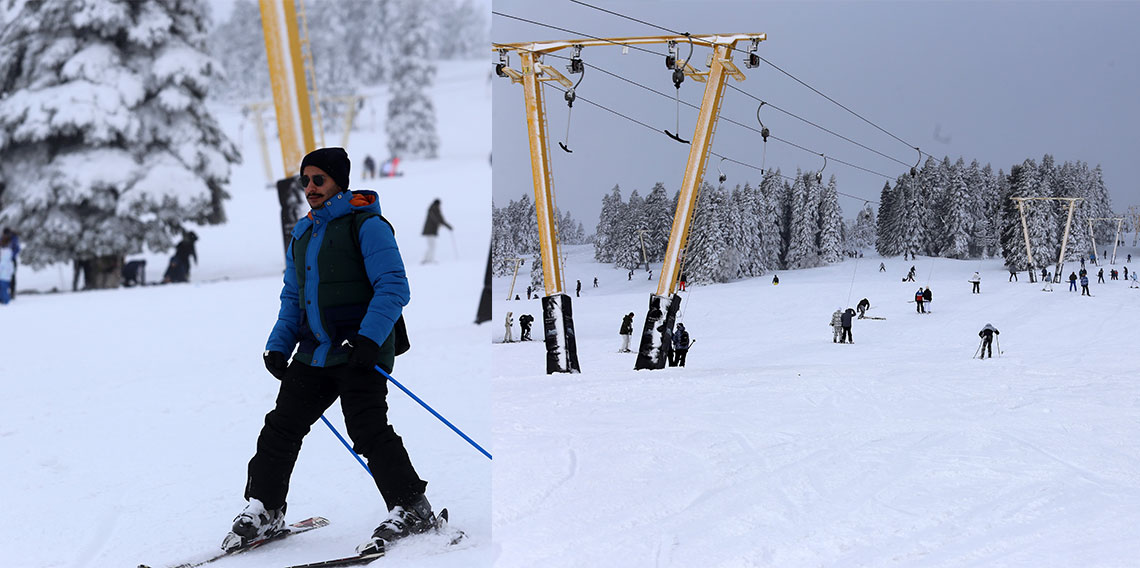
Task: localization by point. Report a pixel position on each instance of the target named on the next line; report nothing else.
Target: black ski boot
(416, 518)
(254, 523)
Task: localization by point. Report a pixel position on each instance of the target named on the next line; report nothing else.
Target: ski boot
(416, 518)
(254, 523)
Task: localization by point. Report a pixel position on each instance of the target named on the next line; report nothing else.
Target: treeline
(956, 210)
(514, 234)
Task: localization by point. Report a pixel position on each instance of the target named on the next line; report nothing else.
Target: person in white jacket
(976, 280)
(509, 322)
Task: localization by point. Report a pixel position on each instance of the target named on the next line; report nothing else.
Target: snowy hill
(130, 414)
(776, 447)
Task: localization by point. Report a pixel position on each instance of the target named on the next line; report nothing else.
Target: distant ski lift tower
(1115, 240)
(1025, 231)
(657, 332)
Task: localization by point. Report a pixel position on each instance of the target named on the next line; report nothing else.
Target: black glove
(276, 364)
(365, 353)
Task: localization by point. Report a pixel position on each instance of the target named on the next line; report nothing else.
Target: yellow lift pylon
(655, 344)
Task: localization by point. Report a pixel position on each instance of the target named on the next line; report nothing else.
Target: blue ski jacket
(321, 324)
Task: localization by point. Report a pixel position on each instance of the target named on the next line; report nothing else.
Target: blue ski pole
(433, 412)
(343, 441)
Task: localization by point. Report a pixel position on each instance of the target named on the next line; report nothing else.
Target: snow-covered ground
(129, 415)
(776, 447)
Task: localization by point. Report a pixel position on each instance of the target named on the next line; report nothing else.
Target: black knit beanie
(334, 161)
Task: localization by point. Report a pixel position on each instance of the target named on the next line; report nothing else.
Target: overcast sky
(996, 82)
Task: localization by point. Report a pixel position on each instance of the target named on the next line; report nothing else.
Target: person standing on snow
(7, 267)
(882, 267)
(179, 268)
(680, 346)
(837, 326)
(976, 280)
(431, 230)
(509, 322)
(524, 324)
(1085, 286)
(578, 290)
(845, 321)
(341, 310)
(1100, 276)
(927, 297)
(14, 245)
(1072, 281)
(987, 334)
(918, 298)
(626, 332)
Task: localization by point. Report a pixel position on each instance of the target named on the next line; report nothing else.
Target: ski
(292, 529)
(362, 559)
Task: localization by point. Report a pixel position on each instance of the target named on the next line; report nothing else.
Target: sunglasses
(318, 180)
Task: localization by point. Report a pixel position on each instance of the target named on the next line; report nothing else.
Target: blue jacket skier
(341, 303)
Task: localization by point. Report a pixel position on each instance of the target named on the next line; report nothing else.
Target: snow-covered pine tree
(911, 226)
(238, 45)
(462, 29)
(411, 124)
(830, 224)
(502, 242)
(991, 196)
(747, 231)
(1050, 210)
(628, 251)
(863, 232)
(769, 224)
(803, 250)
(957, 225)
(605, 234)
(524, 226)
(706, 241)
(536, 280)
(108, 145)
(1038, 214)
(658, 221)
(886, 229)
(1012, 241)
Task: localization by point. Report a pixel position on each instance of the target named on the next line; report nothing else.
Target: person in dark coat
(863, 306)
(918, 299)
(578, 290)
(680, 346)
(987, 335)
(369, 167)
(1100, 276)
(337, 336)
(927, 297)
(179, 268)
(14, 246)
(626, 332)
(595, 282)
(775, 279)
(1072, 281)
(845, 321)
(1012, 275)
(524, 323)
(431, 230)
(529, 290)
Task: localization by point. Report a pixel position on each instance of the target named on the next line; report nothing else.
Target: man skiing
(1072, 281)
(626, 332)
(863, 306)
(341, 310)
(524, 324)
(837, 326)
(431, 229)
(845, 321)
(1100, 276)
(987, 334)
(680, 346)
(918, 298)
(976, 280)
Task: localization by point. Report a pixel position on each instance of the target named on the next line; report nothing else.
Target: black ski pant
(306, 392)
(987, 345)
(977, 288)
(679, 357)
(918, 308)
(846, 336)
(1085, 290)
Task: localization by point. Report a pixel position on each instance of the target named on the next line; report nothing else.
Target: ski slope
(129, 415)
(776, 447)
